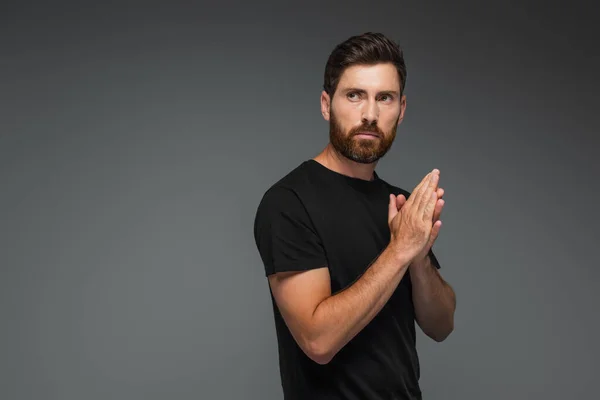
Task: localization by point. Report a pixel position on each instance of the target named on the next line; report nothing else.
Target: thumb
(392, 208)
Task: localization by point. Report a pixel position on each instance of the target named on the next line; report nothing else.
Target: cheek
(349, 113)
(389, 120)
(347, 120)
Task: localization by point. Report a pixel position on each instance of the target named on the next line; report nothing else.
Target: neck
(333, 160)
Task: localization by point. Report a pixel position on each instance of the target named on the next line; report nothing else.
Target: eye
(386, 98)
(353, 96)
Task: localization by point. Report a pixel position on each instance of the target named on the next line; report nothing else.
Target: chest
(354, 231)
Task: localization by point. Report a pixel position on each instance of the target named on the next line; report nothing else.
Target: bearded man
(348, 256)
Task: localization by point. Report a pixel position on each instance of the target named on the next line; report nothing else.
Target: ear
(402, 109)
(325, 105)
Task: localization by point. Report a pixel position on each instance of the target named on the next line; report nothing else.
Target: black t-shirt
(315, 217)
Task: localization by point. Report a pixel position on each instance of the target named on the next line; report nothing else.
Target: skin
(365, 96)
(368, 100)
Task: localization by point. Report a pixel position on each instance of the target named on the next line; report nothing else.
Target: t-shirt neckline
(355, 182)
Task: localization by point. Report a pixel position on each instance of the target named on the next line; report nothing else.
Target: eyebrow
(352, 89)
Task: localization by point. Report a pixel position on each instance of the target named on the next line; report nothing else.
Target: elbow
(318, 351)
(439, 330)
(439, 335)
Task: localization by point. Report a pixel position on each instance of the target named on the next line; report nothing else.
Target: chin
(362, 159)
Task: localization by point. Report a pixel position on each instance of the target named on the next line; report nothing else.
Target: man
(348, 256)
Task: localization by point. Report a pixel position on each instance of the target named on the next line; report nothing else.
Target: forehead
(370, 77)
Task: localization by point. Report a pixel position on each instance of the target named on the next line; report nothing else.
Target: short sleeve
(284, 234)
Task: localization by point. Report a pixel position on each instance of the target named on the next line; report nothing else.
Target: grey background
(137, 140)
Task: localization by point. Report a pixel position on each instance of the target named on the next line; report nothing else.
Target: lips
(369, 134)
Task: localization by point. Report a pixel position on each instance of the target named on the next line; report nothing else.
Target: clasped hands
(429, 183)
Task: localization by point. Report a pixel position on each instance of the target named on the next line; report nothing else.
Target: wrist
(421, 261)
(401, 253)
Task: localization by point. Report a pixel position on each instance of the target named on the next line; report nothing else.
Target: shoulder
(283, 230)
(286, 191)
(284, 198)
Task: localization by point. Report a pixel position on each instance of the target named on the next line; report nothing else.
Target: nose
(370, 112)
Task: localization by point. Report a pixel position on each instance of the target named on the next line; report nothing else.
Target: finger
(428, 190)
(400, 201)
(437, 212)
(440, 193)
(433, 235)
(429, 207)
(416, 193)
(392, 209)
(435, 231)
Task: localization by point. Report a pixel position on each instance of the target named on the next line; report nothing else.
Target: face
(365, 112)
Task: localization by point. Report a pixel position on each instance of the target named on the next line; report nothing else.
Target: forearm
(434, 300)
(342, 316)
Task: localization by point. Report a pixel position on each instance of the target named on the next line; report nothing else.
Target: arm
(434, 300)
(323, 324)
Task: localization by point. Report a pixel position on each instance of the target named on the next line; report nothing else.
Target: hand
(411, 221)
(401, 200)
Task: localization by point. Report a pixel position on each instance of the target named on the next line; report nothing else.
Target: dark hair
(366, 49)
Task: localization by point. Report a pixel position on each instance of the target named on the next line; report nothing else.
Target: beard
(364, 151)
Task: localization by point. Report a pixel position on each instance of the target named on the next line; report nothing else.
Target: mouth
(368, 135)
